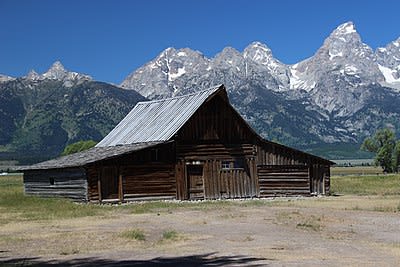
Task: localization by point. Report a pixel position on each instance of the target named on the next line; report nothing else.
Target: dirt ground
(329, 231)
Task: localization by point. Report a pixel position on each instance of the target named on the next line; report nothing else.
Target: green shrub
(136, 234)
(78, 147)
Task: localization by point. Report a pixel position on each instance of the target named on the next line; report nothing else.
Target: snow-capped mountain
(259, 53)
(58, 72)
(340, 94)
(388, 59)
(338, 75)
(162, 76)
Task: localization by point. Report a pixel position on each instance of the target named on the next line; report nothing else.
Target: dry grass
(356, 170)
(366, 185)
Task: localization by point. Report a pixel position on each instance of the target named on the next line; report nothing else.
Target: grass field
(381, 185)
(360, 227)
(356, 170)
(15, 206)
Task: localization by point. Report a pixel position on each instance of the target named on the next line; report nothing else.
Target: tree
(78, 146)
(386, 149)
(396, 156)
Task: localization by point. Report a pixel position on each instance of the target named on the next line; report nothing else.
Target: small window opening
(236, 164)
(51, 180)
(226, 164)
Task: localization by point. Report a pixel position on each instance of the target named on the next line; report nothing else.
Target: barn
(189, 147)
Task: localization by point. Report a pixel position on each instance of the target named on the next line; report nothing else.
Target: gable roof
(149, 124)
(158, 120)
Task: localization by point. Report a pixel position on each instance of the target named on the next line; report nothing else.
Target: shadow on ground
(210, 259)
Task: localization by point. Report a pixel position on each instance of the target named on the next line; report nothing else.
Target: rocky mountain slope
(40, 114)
(341, 94)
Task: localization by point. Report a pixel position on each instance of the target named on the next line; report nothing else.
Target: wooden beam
(120, 188)
(99, 183)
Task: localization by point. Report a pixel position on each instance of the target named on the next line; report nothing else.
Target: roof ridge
(180, 96)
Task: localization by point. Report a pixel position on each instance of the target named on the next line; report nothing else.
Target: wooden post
(99, 183)
(120, 188)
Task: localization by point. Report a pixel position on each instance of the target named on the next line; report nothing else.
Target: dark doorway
(109, 183)
(195, 182)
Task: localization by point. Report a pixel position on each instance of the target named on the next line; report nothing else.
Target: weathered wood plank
(68, 182)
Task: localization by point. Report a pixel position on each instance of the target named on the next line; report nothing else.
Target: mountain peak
(167, 52)
(57, 65)
(258, 52)
(56, 71)
(32, 75)
(345, 28)
(228, 53)
(396, 43)
(258, 45)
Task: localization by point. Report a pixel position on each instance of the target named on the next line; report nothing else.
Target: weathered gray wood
(283, 180)
(69, 183)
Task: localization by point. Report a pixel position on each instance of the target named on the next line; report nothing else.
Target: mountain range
(334, 99)
(343, 93)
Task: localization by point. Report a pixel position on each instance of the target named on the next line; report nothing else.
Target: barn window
(232, 164)
(226, 164)
(51, 181)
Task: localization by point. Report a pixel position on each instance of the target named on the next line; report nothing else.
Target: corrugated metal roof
(157, 120)
(88, 156)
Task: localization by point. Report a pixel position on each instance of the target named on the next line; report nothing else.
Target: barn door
(195, 182)
(109, 183)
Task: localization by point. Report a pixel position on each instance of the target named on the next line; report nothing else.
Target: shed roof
(88, 156)
(157, 120)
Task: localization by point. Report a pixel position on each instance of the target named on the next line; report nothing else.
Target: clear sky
(110, 39)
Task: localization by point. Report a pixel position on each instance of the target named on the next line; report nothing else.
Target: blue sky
(110, 39)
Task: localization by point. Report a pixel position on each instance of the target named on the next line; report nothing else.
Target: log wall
(149, 181)
(318, 170)
(283, 180)
(69, 183)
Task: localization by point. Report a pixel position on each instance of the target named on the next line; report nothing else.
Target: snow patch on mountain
(337, 84)
(5, 78)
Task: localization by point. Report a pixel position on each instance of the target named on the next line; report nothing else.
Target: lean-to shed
(195, 146)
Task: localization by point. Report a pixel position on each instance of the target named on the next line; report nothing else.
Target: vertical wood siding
(213, 135)
(146, 174)
(93, 176)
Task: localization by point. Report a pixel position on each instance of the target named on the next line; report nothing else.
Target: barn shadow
(209, 259)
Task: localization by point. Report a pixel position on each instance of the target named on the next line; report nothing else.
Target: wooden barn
(195, 146)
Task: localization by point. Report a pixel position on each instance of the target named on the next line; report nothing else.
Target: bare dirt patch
(331, 231)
